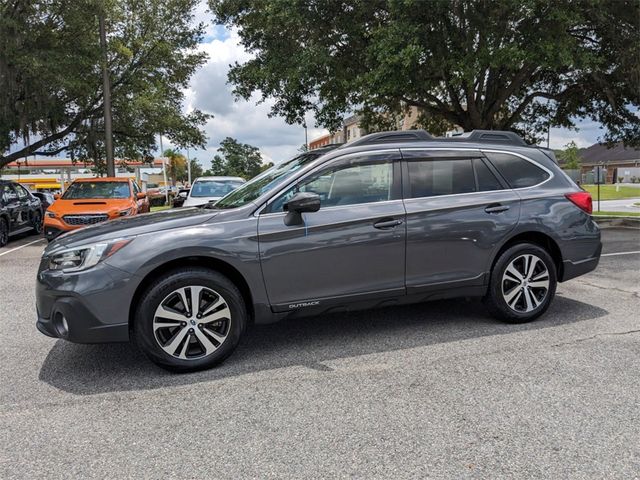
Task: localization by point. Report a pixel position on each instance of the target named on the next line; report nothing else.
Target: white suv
(208, 189)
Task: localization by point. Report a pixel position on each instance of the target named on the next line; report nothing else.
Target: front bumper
(85, 307)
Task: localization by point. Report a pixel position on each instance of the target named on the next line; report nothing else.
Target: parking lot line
(619, 253)
(21, 246)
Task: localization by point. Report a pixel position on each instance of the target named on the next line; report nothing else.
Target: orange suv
(88, 201)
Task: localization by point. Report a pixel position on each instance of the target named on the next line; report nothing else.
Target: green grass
(617, 214)
(608, 192)
(160, 208)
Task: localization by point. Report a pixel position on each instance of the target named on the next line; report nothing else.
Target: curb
(615, 221)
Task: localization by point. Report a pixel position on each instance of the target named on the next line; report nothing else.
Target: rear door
(25, 199)
(458, 210)
(353, 248)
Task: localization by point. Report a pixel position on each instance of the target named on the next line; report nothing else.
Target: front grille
(85, 219)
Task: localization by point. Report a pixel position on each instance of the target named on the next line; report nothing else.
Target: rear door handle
(386, 223)
(496, 208)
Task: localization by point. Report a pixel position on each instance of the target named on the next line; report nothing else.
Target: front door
(458, 210)
(351, 249)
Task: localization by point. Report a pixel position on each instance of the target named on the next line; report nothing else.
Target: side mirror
(56, 196)
(183, 194)
(300, 203)
(141, 196)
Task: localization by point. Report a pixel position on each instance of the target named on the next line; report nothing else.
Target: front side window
(264, 182)
(85, 190)
(518, 172)
(22, 193)
(431, 178)
(345, 185)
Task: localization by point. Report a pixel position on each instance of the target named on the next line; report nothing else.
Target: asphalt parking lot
(437, 390)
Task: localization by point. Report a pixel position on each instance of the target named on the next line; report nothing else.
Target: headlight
(124, 213)
(50, 214)
(87, 256)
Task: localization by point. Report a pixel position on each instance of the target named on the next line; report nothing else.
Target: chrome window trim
(483, 150)
(454, 149)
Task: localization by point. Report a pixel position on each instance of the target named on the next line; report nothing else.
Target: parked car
(211, 189)
(20, 211)
(45, 198)
(391, 218)
(181, 196)
(89, 201)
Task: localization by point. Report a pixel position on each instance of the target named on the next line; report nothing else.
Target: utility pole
(106, 88)
(164, 173)
(548, 133)
(188, 169)
(306, 143)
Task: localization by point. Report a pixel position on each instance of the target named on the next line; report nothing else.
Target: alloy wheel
(525, 283)
(192, 322)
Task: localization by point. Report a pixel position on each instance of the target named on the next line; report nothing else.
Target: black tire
(143, 325)
(4, 232)
(496, 298)
(36, 222)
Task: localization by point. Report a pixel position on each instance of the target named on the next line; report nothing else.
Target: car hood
(83, 206)
(132, 226)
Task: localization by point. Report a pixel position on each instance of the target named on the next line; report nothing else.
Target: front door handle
(496, 208)
(386, 223)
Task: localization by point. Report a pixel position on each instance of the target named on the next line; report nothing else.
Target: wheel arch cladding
(193, 261)
(536, 238)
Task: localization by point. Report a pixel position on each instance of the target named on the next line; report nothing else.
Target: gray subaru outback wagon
(397, 217)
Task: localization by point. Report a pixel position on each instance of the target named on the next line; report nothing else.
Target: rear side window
(431, 178)
(487, 181)
(518, 172)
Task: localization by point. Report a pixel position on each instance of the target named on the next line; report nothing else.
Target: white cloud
(246, 121)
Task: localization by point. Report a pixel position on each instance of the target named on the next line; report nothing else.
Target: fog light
(61, 325)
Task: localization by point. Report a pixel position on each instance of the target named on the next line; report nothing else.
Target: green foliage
(507, 64)
(51, 83)
(570, 156)
(176, 167)
(196, 169)
(236, 160)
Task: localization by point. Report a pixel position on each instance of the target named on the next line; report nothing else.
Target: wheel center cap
(193, 322)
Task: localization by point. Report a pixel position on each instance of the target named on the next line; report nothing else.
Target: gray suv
(392, 218)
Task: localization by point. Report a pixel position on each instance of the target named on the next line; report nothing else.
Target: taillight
(582, 200)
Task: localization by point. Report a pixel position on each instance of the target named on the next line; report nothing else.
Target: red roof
(67, 162)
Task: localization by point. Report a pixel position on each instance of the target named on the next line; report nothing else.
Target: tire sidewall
(4, 232)
(36, 220)
(143, 333)
(495, 288)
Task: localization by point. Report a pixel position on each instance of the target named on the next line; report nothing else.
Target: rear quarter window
(518, 172)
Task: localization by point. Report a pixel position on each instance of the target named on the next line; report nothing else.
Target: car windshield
(255, 187)
(79, 190)
(214, 188)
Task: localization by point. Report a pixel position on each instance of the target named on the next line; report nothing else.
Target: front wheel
(522, 285)
(190, 319)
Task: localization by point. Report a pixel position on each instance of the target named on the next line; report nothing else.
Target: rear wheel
(36, 222)
(523, 283)
(4, 232)
(190, 319)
